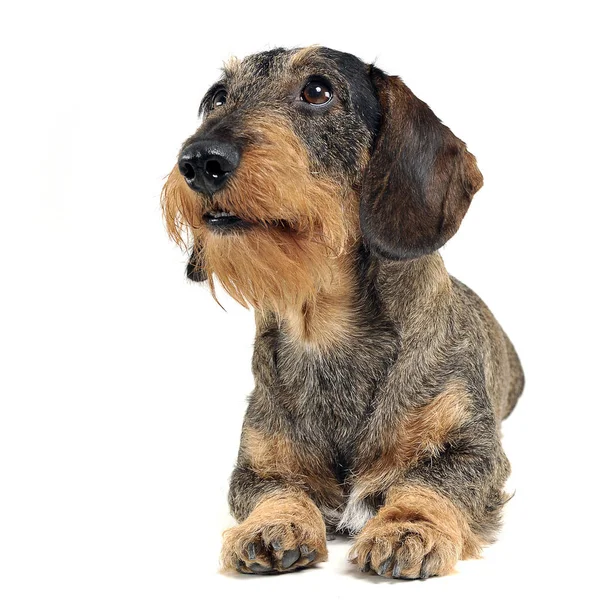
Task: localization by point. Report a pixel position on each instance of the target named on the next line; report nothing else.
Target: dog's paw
(278, 537)
(404, 550)
(271, 548)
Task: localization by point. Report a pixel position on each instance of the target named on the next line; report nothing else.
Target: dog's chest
(329, 395)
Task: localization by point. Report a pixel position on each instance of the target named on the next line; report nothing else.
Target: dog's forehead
(281, 66)
(269, 64)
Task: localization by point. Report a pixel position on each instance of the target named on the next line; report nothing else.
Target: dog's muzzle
(206, 165)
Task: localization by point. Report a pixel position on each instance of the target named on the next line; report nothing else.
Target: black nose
(207, 164)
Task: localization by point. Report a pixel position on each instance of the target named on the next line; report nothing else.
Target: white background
(123, 386)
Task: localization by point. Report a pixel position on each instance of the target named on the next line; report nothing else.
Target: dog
(318, 190)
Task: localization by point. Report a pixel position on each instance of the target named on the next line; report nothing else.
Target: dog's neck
(417, 292)
(413, 285)
(345, 308)
(330, 317)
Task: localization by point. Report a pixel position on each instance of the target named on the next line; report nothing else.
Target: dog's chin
(268, 265)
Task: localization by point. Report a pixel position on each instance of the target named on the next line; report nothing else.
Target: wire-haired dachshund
(318, 190)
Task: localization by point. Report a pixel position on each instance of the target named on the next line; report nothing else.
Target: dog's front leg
(281, 529)
(442, 488)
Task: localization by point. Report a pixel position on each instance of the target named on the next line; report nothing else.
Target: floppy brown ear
(195, 268)
(420, 179)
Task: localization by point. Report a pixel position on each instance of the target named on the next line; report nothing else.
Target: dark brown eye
(316, 92)
(219, 98)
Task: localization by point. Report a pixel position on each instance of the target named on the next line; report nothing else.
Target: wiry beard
(270, 268)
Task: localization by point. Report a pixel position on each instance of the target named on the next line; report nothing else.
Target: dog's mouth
(224, 222)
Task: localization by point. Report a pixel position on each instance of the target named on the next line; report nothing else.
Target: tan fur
(420, 433)
(303, 223)
(415, 526)
(331, 318)
(280, 522)
(182, 209)
(275, 456)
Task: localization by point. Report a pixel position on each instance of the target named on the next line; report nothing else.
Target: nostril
(207, 164)
(187, 170)
(213, 169)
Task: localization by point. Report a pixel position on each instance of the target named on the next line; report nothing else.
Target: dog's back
(506, 379)
(517, 377)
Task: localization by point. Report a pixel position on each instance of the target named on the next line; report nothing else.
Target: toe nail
(256, 568)
(276, 546)
(289, 558)
(384, 567)
(397, 570)
(367, 566)
(427, 567)
(251, 550)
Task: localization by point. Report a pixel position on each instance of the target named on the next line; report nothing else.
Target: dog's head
(302, 155)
